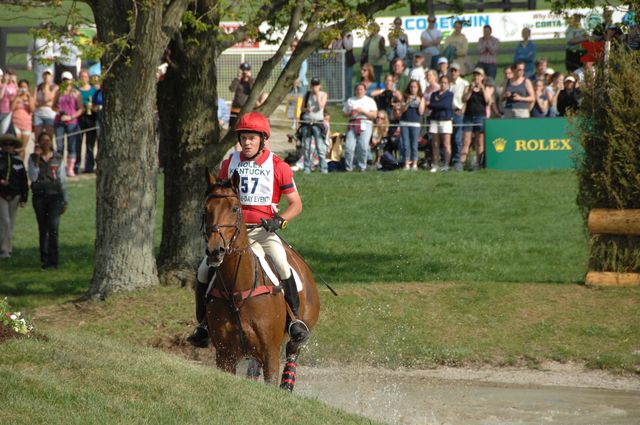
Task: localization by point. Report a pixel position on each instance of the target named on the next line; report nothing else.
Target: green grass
(431, 269)
(79, 378)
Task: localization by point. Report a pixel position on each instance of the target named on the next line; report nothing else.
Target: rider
(264, 178)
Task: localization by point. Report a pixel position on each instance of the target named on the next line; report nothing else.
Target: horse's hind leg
(289, 373)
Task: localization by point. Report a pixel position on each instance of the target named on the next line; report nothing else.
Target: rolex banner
(530, 144)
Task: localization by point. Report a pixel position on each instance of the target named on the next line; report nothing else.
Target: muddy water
(460, 397)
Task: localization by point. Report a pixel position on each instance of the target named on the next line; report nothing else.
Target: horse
(246, 313)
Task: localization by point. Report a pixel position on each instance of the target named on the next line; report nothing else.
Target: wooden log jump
(613, 222)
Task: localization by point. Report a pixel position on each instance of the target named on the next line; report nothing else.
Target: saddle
(269, 269)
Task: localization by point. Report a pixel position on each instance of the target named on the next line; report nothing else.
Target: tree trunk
(127, 172)
(188, 115)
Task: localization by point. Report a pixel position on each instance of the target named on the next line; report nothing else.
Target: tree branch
(173, 13)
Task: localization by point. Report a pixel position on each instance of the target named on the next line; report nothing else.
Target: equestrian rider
(264, 178)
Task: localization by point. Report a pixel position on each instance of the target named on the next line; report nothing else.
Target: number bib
(256, 181)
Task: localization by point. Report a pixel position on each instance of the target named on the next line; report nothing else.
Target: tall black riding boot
(298, 331)
(200, 336)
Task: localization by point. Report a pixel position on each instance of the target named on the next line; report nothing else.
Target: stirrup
(306, 328)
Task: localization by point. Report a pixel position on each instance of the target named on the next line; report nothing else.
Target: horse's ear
(235, 181)
(211, 179)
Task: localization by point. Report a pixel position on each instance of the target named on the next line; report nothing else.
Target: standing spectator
(400, 78)
(223, 113)
(22, 114)
(540, 107)
(360, 110)
(44, 114)
(49, 197)
(487, 52)
(398, 43)
(574, 36)
(499, 102)
(569, 97)
(552, 91)
(87, 123)
(525, 52)
(241, 87)
(379, 137)
(373, 51)
(367, 79)
(41, 54)
(456, 47)
(386, 96)
(457, 86)
(312, 127)
(346, 44)
(443, 67)
(518, 94)
(69, 107)
(430, 40)
(8, 91)
(440, 126)
(68, 56)
(432, 87)
(477, 97)
(417, 72)
(540, 72)
(413, 107)
(14, 189)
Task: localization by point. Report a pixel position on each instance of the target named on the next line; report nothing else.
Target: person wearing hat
(569, 97)
(69, 107)
(477, 98)
(241, 87)
(49, 196)
(312, 127)
(457, 86)
(430, 39)
(442, 67)
(14, 189)
(67, 56)
(264, 178)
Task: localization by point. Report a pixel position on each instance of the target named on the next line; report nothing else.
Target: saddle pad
(257, 249)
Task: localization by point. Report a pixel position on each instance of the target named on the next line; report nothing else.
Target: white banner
(506, 26)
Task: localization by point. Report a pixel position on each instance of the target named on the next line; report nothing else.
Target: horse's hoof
(199, 338)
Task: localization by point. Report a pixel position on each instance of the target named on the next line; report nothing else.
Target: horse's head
(221, 218)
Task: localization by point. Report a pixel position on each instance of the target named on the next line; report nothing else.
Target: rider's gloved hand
(273, 224)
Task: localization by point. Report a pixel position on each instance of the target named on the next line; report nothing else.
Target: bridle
(207, 230)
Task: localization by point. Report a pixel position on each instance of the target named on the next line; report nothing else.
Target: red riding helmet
(254, 122)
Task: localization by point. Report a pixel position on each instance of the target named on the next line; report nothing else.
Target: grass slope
(79, 378)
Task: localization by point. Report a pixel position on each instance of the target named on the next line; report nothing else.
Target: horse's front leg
(271, 366)
(226, 361)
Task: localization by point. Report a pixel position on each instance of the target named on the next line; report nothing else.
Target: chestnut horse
(246, 314)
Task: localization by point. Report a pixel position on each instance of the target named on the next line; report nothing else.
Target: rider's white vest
(256, 181)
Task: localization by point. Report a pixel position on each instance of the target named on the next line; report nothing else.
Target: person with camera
(8, 91)
(49, 197)
(44, 94)
(22, 108)
(477, 98)
(518, 93)
(387, 95)
(69, 107)
(14, 189)
(413, 107)
(241, 87)
(312, 127)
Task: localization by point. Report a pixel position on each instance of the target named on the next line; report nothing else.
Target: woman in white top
(360, 109)
(429, 41)
(44, 115)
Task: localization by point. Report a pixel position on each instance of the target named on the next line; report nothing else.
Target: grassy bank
(501, 256)
(80, 378)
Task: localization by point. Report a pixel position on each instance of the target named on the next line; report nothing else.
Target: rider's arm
(294, 207)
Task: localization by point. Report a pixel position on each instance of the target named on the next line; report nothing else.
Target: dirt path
(556, 394)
